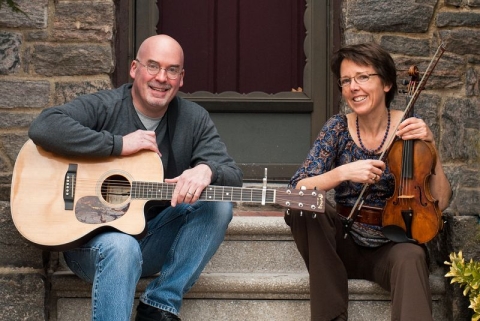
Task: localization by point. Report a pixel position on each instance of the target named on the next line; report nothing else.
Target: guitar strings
(153, 190)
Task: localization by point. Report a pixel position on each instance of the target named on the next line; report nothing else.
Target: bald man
(183, 233)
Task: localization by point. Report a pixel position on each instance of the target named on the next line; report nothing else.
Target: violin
(411, 214)
(412, 207)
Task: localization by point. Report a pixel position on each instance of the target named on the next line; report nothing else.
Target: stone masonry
(64, 48)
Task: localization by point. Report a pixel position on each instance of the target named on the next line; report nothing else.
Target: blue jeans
(179, 243)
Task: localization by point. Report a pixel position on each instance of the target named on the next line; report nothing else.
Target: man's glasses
(360, 78)
(153, 69)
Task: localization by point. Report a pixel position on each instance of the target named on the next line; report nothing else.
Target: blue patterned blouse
(333, 147)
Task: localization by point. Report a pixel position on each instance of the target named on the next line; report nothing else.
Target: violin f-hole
(420, 196)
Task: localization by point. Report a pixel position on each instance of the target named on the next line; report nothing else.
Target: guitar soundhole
(115, 189)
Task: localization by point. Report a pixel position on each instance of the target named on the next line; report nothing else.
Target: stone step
(257, 274)
(247, 296)
(257, 244)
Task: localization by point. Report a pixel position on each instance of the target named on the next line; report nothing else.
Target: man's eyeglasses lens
(154, 69)
(360, 78)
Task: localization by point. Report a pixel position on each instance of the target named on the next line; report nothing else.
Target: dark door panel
(238, 45)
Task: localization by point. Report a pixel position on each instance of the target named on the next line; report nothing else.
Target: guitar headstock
(301, 199)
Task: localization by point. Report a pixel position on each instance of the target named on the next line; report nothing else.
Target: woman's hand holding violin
(415, 128)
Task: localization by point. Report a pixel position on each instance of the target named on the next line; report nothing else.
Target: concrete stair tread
(259, 228)
(244, 286)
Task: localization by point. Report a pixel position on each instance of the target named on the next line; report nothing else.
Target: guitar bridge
(69, 186)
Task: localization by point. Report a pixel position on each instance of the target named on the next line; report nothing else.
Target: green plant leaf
(467, 275)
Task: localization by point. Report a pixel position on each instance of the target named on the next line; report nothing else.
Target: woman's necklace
(383, 140)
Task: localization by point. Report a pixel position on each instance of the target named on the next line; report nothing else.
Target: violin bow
(360, 200)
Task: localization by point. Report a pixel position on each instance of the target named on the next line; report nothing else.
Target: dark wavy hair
(369, 54)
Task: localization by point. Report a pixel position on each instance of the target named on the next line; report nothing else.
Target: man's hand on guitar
(138, 140)
(190, 184)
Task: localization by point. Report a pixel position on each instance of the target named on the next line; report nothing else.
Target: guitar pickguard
(90, 210)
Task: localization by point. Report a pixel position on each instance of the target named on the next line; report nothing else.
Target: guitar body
(39, 209)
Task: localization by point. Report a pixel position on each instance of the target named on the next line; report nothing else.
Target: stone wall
(65, 48)
(58, 50)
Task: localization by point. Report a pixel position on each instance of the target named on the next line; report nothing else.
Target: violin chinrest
(396, 234)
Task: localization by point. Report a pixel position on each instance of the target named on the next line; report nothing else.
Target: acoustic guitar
(59, 203)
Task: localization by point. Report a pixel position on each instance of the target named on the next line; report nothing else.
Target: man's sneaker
(148, 313)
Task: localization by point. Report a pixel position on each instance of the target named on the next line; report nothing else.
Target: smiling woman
(345, 157)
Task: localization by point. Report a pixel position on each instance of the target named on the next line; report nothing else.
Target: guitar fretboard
(164, 191)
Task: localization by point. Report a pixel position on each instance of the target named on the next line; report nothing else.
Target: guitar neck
(164, 191)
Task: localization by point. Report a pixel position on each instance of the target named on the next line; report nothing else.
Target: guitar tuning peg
(287, 211)
(301, 213)
(314, 215)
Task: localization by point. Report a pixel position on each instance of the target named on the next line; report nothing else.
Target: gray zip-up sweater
(94, 124)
